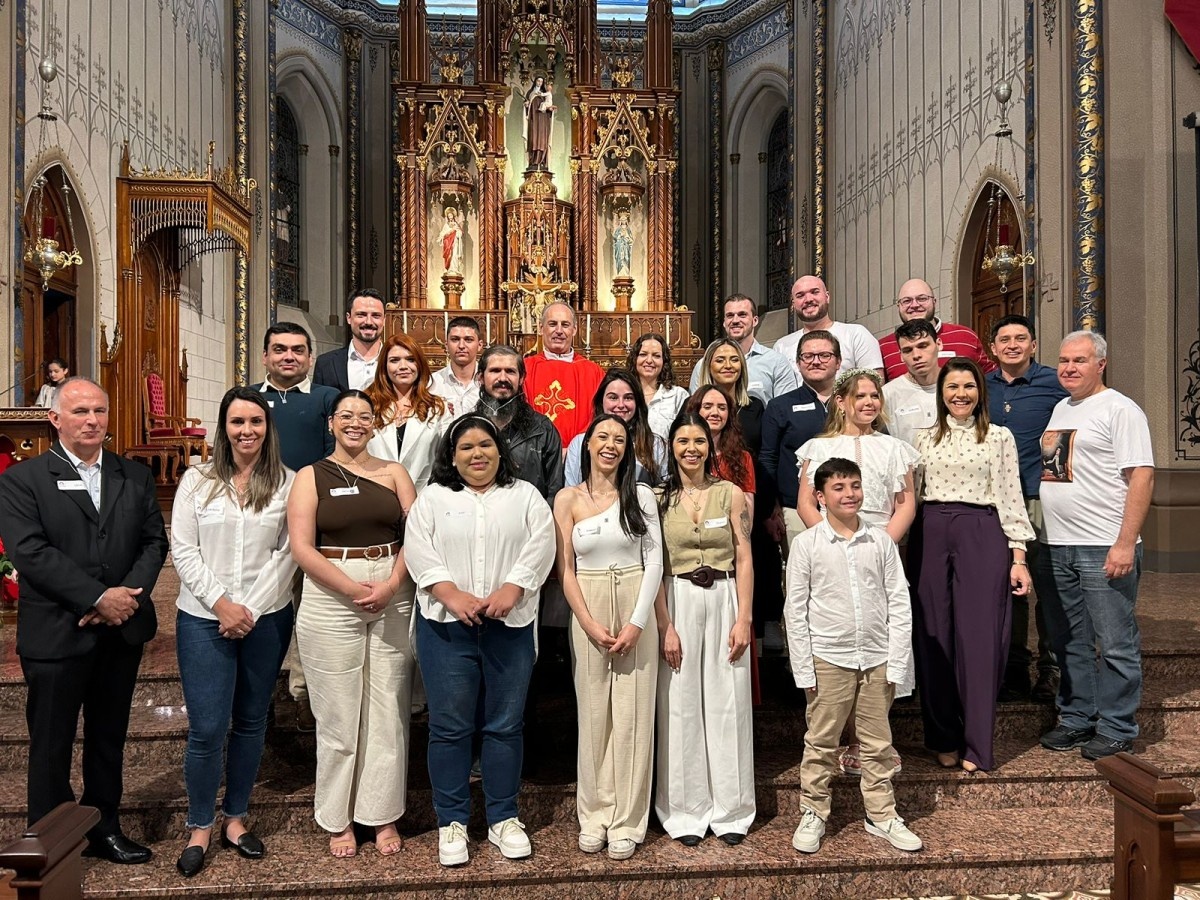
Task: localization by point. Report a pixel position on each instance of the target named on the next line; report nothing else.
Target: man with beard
(917, 301)
(561, 382)
(353, 366)
(769, 374)
(534, 442)
(810, 302)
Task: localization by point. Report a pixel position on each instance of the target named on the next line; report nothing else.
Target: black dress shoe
(247, 846)
(689, 840)
(116, 848)
(733, 838)
(190, 861)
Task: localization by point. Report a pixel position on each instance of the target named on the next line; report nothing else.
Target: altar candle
(404, 321)
(488, 322)
(589, 330)
(628, 337)
(445, 324)
(668, 334)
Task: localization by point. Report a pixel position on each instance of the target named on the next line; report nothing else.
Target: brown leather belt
(375, 551)
(704, 576)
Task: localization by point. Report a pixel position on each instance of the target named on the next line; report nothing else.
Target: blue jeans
(1091, 609)
(227, 681)
(458, 662)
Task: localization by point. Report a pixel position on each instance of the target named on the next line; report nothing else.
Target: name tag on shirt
(946, 354)
(804, 407)
(589, 531)
(351, 491)
(716, 523)
(212, 514)
(455, 513)
(72, 485)
(908, 410)
(756, 384)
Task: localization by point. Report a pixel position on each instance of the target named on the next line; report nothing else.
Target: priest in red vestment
(560, 383)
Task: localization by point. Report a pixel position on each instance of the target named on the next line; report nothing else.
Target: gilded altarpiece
(529, 182)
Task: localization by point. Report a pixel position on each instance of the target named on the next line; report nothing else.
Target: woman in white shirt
(480, 543)
(650, 360)
(409, 417)
(856, 411)
(610, 564)
(229, 540)
(966, 556)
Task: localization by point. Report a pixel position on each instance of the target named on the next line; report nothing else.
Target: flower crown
(855, 374)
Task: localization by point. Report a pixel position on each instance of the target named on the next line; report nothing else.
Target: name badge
(72, 485)
(212, 514)
(756, 384)
(908, 410)
(589, 531)
(351, 491)
(716, 523)
(946, 354)
(455, 513)
(804, 407)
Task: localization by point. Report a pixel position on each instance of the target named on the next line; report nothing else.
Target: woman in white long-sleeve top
(229, 541)
(610, 564)
(479, 545)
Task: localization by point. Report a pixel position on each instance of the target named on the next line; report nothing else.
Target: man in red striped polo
(916, 300)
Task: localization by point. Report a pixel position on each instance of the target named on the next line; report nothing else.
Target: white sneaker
(509, 836)
(452, 844)
(808, 834)
(622, 848)
(773, 639)
(896, 833)
(591, 844)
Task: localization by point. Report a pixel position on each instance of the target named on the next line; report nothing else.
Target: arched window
(779, 215)
(287, 218)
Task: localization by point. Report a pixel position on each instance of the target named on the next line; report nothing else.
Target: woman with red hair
(409, 418)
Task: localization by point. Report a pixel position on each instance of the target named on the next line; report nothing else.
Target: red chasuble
(563, 391)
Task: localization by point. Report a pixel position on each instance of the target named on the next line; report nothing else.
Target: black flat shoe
(190, 861)
(733, 838)
(689, 840)
(116, 848)
(247, 846)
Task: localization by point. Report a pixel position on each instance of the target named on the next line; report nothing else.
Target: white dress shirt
(847, 603)
(461, 398)
(89, 475)
(480, 542)
(664, 406)
(360, 371)
(222, 549)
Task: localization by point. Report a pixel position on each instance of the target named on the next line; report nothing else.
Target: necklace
(693, 495)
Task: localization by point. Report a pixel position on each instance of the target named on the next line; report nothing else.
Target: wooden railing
(46, 857)
(1156, 841)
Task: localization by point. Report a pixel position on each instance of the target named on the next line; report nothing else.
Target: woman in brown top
(346, 522)
(705, 778)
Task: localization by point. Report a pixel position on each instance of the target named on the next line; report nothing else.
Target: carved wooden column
(412, 71)
(352, 42)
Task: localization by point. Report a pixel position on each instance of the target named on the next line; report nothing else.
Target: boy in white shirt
(849, 625)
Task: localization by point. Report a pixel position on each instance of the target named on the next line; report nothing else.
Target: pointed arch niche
(980, 300)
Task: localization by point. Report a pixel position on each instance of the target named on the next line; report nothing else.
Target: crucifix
(534, 294)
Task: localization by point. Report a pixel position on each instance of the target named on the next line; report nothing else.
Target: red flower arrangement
(8, 579)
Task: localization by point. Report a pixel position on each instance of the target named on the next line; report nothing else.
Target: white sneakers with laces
(895, 832)
(509, 836)
(808, 834)
(452, 844)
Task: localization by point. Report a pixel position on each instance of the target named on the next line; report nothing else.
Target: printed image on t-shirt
(1057, 464)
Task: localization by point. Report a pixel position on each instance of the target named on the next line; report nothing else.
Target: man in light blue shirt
(770, 373)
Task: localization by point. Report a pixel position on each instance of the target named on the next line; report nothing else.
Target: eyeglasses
(919, 300)
(823, 356)
(351, 418)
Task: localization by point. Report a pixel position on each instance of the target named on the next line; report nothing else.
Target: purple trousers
(961, 619)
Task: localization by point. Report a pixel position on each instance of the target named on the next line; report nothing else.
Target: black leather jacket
(536, 452)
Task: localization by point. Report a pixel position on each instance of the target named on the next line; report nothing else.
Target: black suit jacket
(67, 554)
(333, 369)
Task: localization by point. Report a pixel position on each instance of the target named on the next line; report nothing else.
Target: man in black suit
(85, 532)
(353, 366)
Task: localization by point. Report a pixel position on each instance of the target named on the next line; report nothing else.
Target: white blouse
(418, 448)
(664, 407)
(221, 549)
(480, 542)
(884, 461)
(599, 544)
(962, 470)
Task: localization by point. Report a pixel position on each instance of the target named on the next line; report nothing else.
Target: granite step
(997, 851)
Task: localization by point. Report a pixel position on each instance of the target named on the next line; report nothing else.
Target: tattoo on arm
(744, 520)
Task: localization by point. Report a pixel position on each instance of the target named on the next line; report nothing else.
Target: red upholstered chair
(164, 428)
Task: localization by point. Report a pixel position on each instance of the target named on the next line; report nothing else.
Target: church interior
(183, 173)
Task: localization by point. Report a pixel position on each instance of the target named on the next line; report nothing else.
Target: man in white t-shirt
(810, 302)
(1097, 478)
(458, 383)
(910, 401)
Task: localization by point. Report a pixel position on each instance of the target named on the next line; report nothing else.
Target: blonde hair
(845, 385)
(740, 392)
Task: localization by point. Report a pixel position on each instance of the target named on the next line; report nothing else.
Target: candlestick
(628, 336)
(589, 330)
(668, 334)
(488, 322)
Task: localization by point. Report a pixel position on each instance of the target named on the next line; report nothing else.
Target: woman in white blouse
(229, 540)
(650, 361)
(610, 564)
(409, 417)
(479, 545)
(856, 412)
(966, 556)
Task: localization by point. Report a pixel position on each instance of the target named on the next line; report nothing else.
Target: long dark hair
(982, 419)
(673, 485)
(742, 385)
(444, 471)
(633, 523)
(729, 444)
(640, 435)
(268, 472)
(666, 378)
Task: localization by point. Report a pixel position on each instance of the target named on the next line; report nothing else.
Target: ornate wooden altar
(546, 174)
(28, 429)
